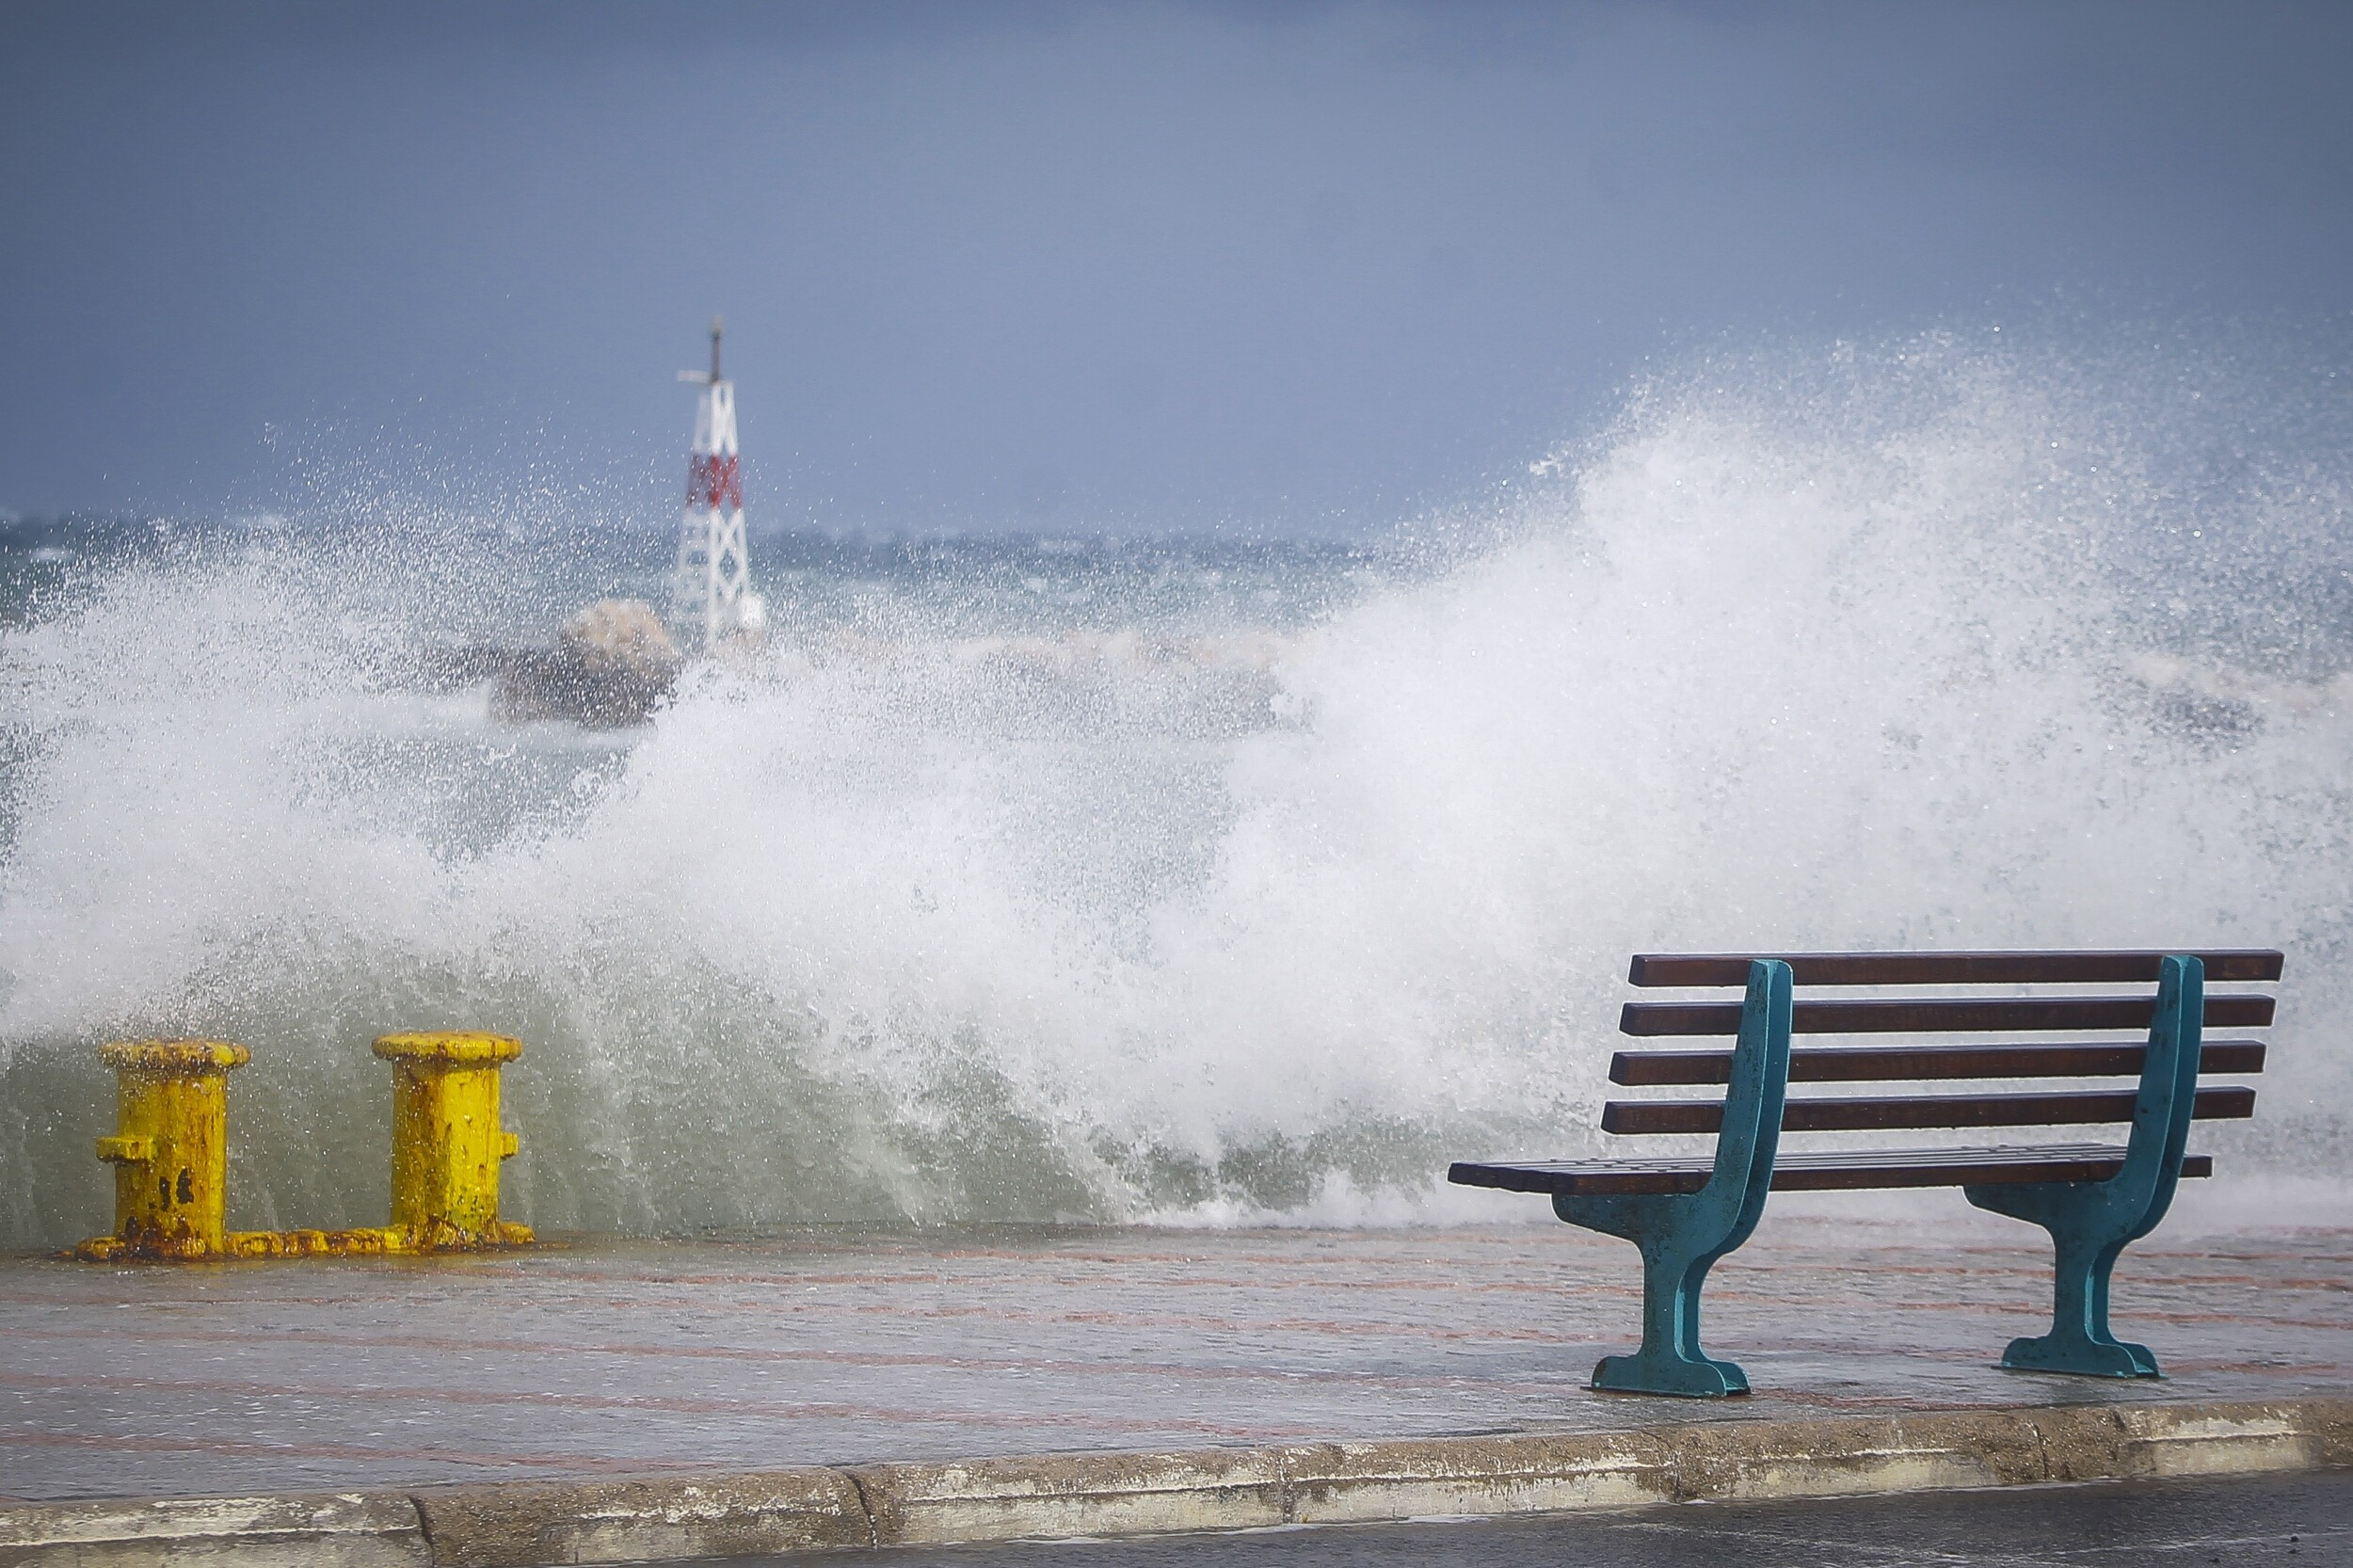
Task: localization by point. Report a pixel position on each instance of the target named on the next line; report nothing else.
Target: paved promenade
(607, 1359)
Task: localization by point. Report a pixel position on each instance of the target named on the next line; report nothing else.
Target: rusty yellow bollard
(447, 1143)
(170, 1148)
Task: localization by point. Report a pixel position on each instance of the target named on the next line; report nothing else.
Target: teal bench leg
(1671, 1360)
(2092, 1222)
(1683, 1234)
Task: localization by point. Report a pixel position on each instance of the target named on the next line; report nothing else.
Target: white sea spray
(1099, 888)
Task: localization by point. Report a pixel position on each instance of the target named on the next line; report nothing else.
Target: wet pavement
(595, 1359)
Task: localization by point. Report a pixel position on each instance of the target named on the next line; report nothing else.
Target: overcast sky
(1070, 266)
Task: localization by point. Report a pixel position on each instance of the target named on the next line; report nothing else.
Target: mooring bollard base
(366, 1241)
(169, 1150)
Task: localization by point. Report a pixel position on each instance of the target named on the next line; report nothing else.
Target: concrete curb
(524, 1524)
(360, 1529)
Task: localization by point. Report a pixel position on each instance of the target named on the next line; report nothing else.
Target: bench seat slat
(1943, 1013)
(1881, 1063)
(1859, 1114)
(1822, 1171)
(1948, 969)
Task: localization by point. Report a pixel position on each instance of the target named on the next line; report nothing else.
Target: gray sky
(1063, 266)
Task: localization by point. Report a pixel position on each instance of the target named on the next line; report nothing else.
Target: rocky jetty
(612, 665)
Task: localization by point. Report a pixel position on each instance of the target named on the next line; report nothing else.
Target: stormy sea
(1211, 878)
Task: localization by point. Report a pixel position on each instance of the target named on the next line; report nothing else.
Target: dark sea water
(1200, 879)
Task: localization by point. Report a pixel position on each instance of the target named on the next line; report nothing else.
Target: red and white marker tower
(715, 576)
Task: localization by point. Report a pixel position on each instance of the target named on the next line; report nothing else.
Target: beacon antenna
(713, 585)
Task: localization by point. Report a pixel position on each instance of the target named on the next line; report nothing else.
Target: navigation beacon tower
(714, 578)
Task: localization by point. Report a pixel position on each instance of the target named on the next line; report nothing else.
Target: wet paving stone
(602, 1359)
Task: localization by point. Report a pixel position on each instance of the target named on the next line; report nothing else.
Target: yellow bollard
(170, 1147)
(447, 1142)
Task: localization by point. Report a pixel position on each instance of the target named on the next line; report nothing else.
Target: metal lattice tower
(713, 584)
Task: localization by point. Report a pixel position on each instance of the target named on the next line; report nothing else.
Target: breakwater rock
(612, 665)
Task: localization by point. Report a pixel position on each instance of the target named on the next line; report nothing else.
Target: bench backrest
(2022, 1011)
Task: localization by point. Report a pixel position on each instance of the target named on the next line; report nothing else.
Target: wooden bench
(1687, 1212)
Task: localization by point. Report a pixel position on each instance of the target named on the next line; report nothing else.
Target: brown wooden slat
(1861, 1114)
(1800, 1176)
(1825, 1171)
(1948, 969)
(1881, 1063)
(1914, 1015)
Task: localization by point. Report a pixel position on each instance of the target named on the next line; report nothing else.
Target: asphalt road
(2238, 1522)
